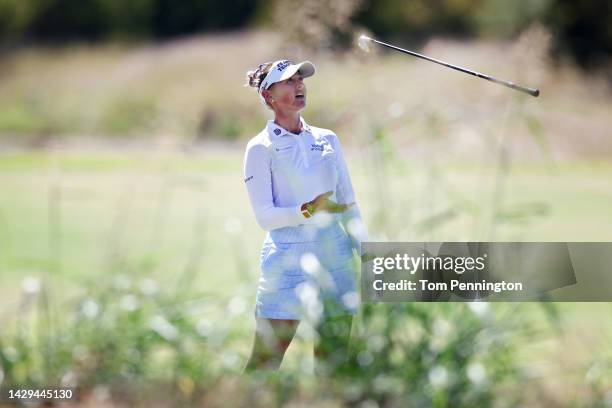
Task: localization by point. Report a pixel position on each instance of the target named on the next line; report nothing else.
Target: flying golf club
(364, 45)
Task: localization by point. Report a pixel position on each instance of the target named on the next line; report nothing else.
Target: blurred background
(129, 253)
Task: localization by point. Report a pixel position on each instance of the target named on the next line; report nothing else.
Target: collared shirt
(283, 170)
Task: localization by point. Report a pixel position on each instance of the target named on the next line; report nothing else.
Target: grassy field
(179, 90)
(147, 232)
(72, 218)
(138, 204)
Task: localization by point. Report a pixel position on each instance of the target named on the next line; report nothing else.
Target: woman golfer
(301, 193)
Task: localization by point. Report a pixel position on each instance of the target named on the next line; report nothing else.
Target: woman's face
(289, 95)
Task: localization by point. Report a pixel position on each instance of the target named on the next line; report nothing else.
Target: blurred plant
(385, 161)
(414, 21)
(103, 19)
(598, 379)
(417, 354)
(315, 25)
(128, 113)
(582, 29)
(226, 125)
(120, 332)
(123, 332)
(439, 355)
(500, 18)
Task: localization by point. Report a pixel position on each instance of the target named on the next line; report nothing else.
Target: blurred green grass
(434, 156)
(191, 89)
(137, 188)
(145, 191)
(73, 218)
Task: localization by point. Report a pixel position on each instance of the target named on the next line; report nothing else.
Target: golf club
(363, 44)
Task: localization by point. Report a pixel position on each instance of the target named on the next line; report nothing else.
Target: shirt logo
(318, 147)
(248, 179)
(278, 149)
(277, 131)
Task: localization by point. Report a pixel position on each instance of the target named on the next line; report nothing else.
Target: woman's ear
(267, 96)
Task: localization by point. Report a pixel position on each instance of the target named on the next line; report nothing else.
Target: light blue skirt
(307, 272)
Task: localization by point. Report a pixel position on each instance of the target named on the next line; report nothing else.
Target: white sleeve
(258, 180)
(351, 218)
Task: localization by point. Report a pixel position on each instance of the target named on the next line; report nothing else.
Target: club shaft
(530, 91)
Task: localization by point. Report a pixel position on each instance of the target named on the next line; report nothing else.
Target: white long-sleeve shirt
(283, 170)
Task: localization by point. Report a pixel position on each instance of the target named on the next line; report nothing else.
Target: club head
(363, 42)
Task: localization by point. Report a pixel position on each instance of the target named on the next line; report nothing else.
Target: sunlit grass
(192, 89)
(183, 221)
(144, 252)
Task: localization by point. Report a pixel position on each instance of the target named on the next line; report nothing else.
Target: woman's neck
(290, 122)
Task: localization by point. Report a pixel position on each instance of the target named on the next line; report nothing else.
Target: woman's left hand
(323, 203)
(334, 207)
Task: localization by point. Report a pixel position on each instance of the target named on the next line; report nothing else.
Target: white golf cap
(284, 69)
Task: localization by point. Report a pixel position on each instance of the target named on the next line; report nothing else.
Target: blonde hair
(256, 76)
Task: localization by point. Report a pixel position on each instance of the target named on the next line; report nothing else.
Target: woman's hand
(323, 203)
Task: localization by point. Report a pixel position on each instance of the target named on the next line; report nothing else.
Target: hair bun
(251, 79)
(255, 76)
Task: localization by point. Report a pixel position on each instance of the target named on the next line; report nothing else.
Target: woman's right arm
(258, 179)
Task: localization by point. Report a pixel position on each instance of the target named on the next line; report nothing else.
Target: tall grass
(124, 335)
(147, 316)
(191, 89)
